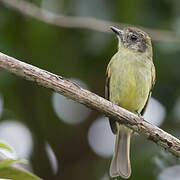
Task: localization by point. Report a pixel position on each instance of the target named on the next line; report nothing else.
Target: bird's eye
(134, 37)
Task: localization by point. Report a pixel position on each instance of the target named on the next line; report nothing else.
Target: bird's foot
(115, 103)
(140, 116)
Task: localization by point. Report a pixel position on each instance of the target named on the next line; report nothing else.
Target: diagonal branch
(90, 23)
(93, 101)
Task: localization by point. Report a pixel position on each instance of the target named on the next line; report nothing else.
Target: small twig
(93, 101)
(90, 23)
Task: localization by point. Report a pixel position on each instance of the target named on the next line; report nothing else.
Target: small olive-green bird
(130, 77)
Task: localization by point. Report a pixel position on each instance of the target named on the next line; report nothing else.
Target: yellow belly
(130, 84)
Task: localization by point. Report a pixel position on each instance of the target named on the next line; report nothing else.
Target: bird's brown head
(134, 39)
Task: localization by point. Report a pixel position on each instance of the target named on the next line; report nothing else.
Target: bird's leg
(139, 115)
(116, 103)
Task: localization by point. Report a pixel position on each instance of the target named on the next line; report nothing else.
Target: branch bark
(93, 101)
(90, 23)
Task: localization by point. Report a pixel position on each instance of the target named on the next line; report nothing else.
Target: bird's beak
(117, 31)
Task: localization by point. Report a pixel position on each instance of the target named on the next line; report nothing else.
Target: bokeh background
(63, 139)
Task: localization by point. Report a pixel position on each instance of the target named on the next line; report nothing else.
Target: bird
(130, 78)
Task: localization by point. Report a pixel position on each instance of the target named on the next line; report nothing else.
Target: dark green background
(84, 54)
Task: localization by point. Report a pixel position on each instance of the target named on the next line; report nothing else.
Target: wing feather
(152, 85)
(108, 76)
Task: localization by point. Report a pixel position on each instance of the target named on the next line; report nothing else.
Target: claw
(140, 116)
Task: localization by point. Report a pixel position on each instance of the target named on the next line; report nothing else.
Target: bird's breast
(130, 84)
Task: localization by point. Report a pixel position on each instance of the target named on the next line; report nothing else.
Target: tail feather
(120, 164)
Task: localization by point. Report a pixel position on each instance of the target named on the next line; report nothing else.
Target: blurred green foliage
(84, 55)
(10, 168)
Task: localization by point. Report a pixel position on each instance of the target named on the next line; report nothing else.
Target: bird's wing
(108, 76)
(152, 85)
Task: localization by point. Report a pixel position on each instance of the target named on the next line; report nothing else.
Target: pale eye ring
(134, 37)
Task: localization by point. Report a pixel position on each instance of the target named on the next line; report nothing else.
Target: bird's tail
(120, 164)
